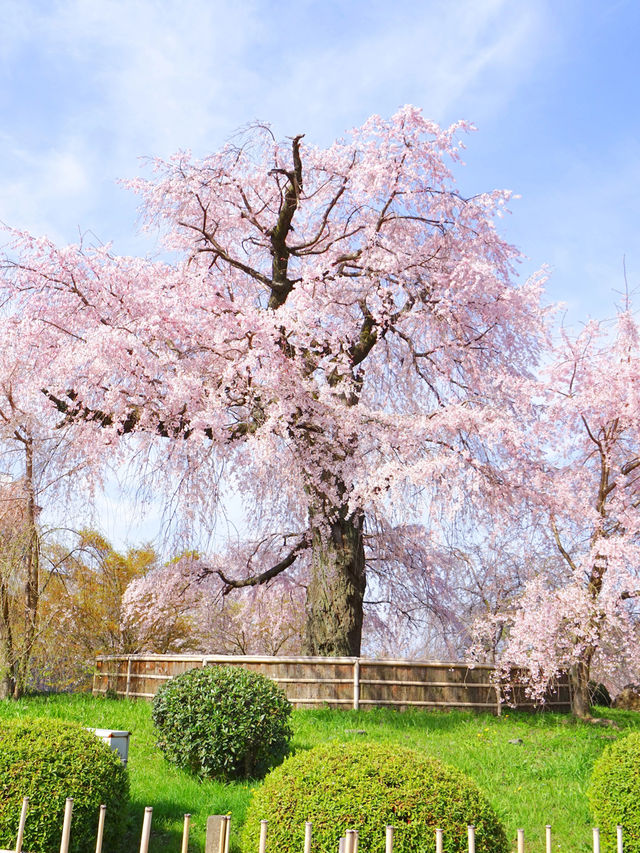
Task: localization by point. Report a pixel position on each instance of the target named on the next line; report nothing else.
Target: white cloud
(162, 73)
(106, 81)
(59, 176)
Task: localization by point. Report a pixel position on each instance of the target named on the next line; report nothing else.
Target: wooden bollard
(66, 825)
(263, 836)
(185, 833)
(521, 841)
(146, 829)
(471, 838)
(596, 839)
(307, 837)
(619, 839)
(101, 817)
(547, 832)
(23, 817)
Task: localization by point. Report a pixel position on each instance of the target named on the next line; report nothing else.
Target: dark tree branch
(633, 593)
(561, 547)
(281, 285)
(262, 577)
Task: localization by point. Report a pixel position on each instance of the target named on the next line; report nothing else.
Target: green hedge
(365, 787)
(49, 760)
(614, 793)
(222, 722)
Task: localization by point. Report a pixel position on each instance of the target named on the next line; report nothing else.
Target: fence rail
(336, 682)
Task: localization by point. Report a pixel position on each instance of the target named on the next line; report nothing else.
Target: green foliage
(49, 760)
(340, 786)
(222, 722)
(614, 793)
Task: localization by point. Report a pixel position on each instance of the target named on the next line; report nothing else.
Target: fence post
(263, 837)
(128, 685)
(439, 840)
(146, 829)
(23, 817)
(101, 817)
(356, 684)
(66, 825)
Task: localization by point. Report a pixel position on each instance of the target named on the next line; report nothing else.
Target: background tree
(580, 610)
(80, 613)
(338, 332)
(181, 607)
(39, 462)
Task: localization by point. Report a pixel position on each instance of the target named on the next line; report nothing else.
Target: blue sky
(88, 86)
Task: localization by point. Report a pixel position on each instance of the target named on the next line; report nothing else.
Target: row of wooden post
(144, 838)
(347, 844)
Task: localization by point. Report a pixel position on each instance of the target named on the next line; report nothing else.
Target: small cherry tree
(337, 334)
(580, 610)
(181, 607)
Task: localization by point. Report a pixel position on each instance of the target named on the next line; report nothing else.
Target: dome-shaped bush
(48, 761)
(614, 793)
(222, 722)
(365, 787)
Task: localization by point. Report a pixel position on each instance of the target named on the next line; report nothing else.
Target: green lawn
(541, 780)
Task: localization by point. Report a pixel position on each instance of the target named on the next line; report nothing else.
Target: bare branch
(561, 547)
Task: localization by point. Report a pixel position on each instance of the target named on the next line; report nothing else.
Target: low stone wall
(311, 682)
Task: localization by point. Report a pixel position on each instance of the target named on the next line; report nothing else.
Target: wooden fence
(218, 827)
(310, 682)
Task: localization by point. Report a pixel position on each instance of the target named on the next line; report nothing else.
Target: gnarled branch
(262, 577)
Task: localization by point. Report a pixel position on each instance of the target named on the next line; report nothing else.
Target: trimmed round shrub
(49, 760)
(343, 786)
(614, 793)
(222, 722)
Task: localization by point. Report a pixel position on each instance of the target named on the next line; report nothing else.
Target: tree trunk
(579, 682)
(7, 682)
(336, 590)
(32, 575)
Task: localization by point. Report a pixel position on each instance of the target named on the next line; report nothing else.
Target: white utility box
(116, 741)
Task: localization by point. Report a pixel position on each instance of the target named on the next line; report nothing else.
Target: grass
(541, 780)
